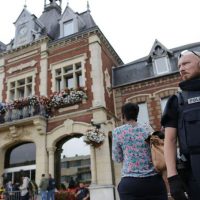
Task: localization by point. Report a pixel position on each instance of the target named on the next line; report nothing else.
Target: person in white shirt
(24, 187)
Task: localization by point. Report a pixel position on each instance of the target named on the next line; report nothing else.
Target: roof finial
(25, 6)
(45, 4)
(88, 6)
(67, 3)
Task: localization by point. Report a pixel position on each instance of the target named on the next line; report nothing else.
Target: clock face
(23, 30)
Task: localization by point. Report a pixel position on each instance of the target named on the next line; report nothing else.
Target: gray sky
(130, 26)
(75, 146)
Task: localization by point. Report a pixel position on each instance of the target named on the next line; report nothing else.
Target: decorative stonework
(165, 92)
(16, 133)
(74, 107)
(22, 66)
(40, 127)
(139, 98)
(51, 150)
(69, 125)
(108, 82)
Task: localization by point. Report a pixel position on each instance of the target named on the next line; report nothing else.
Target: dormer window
(68, 28)
(161, 65)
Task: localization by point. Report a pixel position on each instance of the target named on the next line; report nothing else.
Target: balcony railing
(25, 112)
(40, 105)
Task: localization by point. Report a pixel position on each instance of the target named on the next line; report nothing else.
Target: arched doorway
(72, 160)
(17, 158)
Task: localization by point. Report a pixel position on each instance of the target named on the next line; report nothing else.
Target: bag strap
(180, 98)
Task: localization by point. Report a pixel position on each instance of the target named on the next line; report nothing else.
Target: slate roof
(2, 46)
(50, 19)
(142, 69)
(87, 18)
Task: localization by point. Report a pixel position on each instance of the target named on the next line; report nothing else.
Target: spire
(61, 4)
(88, 6)
(45, 3)
(25, 5)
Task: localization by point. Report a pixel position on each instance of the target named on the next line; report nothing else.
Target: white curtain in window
(68, 28)
(163, 103)
(143, 116)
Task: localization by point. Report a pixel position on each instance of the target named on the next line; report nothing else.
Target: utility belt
(184, 169)
(183, 165)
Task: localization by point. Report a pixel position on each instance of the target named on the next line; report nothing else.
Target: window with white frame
(20, 88)
(143, 116)
(163, 103)
(69, 76)
(68, 27)
(161, 65)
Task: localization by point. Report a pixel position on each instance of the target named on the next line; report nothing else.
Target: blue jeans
(51, 195)
(44, 195)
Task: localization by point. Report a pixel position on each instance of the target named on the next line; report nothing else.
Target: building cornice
(85, 34)
(10, 51)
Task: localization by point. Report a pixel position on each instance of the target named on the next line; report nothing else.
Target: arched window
(21, 155)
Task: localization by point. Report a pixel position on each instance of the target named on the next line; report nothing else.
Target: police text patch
(193, 100)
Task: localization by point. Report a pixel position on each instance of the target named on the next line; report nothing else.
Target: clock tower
(27, 29)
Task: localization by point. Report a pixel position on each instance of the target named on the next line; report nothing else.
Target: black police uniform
(185, 116)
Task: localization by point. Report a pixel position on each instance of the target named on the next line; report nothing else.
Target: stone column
(96, 72)
(44, 69)
(57, 171)
(51, 151)
(2, 158)
(93, 165)
(2, 74)
(41, 161)
(40, 139)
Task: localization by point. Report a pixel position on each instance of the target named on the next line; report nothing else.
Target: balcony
(22, 113)
(40, 105)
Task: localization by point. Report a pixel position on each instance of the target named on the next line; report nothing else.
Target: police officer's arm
(170, 150)
(170, 122)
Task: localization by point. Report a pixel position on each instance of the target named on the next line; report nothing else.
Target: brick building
(66, 49)
(63, 52)
(76, 167)
(149, 81)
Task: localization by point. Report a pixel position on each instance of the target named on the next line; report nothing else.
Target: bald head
(189, 65)
(194, 54)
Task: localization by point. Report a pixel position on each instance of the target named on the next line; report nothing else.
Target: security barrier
(14, 195)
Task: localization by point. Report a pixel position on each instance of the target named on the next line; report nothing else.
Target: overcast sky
(131, 26)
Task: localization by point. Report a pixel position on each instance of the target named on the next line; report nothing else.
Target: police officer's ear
(199, 64)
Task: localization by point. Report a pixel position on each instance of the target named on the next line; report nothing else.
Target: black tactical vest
(189, 122)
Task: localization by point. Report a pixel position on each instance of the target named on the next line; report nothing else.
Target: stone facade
(50, 59)
(35, 66)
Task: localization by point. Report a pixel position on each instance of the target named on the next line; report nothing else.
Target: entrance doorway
(20, 157)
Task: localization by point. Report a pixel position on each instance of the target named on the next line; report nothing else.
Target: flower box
(94, 137)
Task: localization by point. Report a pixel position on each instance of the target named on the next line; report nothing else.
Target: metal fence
(15, 195)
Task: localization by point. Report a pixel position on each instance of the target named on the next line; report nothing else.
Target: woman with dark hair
(139, 180)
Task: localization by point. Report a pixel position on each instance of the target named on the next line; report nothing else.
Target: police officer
(181, 120)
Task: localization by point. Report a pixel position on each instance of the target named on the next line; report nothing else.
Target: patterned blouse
(129, 147)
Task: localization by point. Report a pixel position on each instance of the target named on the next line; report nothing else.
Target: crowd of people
(46, 190)
(25, 189)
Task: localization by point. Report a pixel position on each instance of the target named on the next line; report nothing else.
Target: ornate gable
(70, 22)
(27, 29)
(158, 50)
